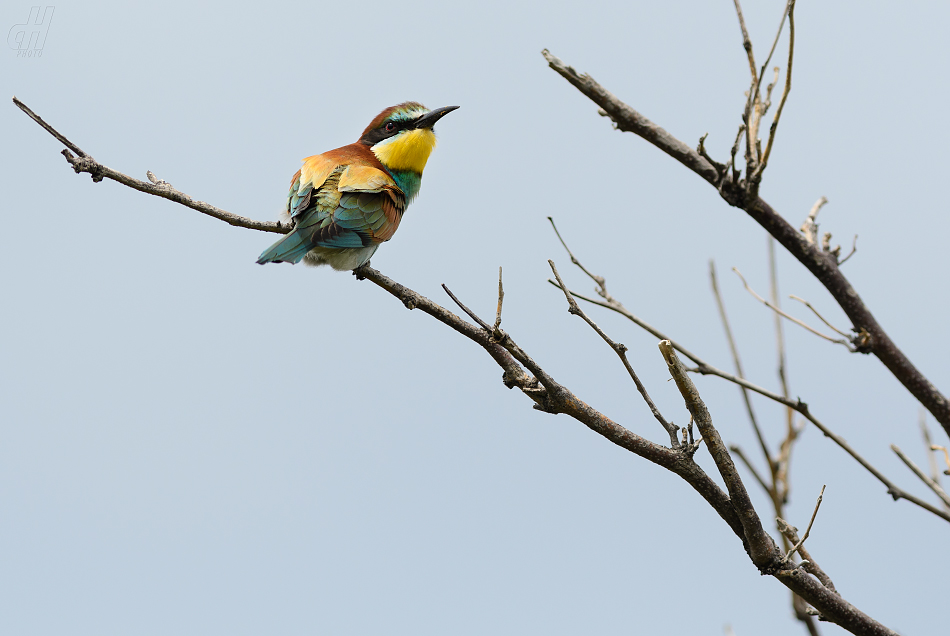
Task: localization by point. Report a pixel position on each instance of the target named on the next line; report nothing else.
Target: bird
(345, 202)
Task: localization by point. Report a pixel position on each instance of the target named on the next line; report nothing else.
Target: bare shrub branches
(743, 193)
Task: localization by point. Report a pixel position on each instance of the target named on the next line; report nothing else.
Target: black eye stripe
(383, 131)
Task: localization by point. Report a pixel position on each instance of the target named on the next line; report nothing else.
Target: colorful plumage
(347, 201)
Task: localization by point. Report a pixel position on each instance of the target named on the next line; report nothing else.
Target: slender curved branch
(84, 162)
(797, 405)
(785, 315)
(621, 350)
(928, 481)
(872, 337)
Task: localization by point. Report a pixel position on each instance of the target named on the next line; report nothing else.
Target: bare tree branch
(791, 533)
(781, 313)
(705, 368)
(814, 514)
(714, 281)
(85, 163)
(762, 548)
(873, 338)
(746, 42)
(501, 300)
(820, 317)
(621, 350)
(760, 168)
(930, 483)
(810, 226)
(737, 451)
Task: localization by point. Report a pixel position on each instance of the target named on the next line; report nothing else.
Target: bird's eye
(390, 126)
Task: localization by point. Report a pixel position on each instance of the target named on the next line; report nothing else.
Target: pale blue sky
(194, 444)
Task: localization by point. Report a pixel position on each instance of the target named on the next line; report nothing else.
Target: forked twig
(930, 483)
(820, 317)
(854, 248)
(790, 532)
(705, 368)
(621, 350)
(840, 341)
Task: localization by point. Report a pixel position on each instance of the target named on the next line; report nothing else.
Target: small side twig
(820, 317)
(746, 42)
(85, 163)
(599, 280)
(621, 350)
(501, 300)
(799, 406)
(845, 343)
(814, 514)
(714, 281)
(790, 532)
(790, 12)
(471, 314)
(946, 456)
(737, 451)
(810, 226)
(933, 485)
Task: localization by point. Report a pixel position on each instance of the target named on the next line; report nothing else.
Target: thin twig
(845, 343)
(737, 451)
(788, 87)
(746, 42)
(705, 368)
(871, 338)
(599, 280)
(854, 248)
(928, 446)
(810, 226)
(933, 485)
(738, 364)
(820, 317)
(701, 149)
(471, 314)
(808, 563)
(621, 350)
(85, 163)
(778, 35)
(810, 523)
(946, 456)
(779, 332)
(39, 120)
(501, 300)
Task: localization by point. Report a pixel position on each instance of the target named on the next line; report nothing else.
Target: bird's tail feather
(290, 249)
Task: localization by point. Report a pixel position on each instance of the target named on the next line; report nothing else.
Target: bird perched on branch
(347, 201)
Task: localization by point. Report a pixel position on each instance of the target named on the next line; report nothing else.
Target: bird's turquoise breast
(408, 181)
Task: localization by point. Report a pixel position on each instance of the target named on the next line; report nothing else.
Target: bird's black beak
(428, 120)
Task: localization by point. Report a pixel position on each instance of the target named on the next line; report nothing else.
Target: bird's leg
(358, 272)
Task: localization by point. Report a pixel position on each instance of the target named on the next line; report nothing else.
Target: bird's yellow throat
(409, 150)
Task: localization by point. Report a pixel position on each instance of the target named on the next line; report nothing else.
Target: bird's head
(401, 136)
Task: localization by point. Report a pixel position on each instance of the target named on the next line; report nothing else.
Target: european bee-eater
(347, 201)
